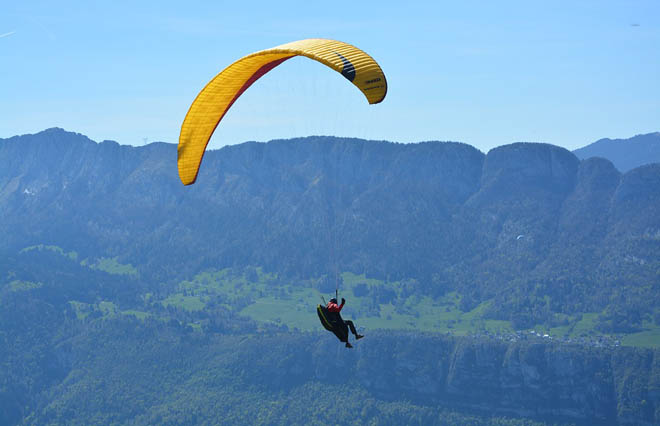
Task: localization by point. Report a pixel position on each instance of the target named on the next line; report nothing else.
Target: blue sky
(485, 73)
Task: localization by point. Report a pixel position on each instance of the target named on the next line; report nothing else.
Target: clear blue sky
(485, 73)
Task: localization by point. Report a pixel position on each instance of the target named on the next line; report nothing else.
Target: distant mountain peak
(56, 131)
(625, 154)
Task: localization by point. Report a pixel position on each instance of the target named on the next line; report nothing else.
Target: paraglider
(331, 320)
(213, 102)
(215, 99)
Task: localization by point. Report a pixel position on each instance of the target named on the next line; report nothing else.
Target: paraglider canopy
(213, 102)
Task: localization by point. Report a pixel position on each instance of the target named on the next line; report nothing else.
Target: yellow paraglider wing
(217, 97)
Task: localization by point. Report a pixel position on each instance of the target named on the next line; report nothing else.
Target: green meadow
(371, 303)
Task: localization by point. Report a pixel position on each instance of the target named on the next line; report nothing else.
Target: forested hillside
(528, 226)
(85, 363)
(517, 282)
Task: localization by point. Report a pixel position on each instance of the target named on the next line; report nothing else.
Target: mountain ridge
(105, 256)
(625, 154)
(441, 213)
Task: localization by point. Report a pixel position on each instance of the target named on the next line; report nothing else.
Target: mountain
(128, 298)
(625, 154)
(524, 225)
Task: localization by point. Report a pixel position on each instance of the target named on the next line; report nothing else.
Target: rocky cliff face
(584, 216)
(545, 165)
(545, 382)
(540, 381)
